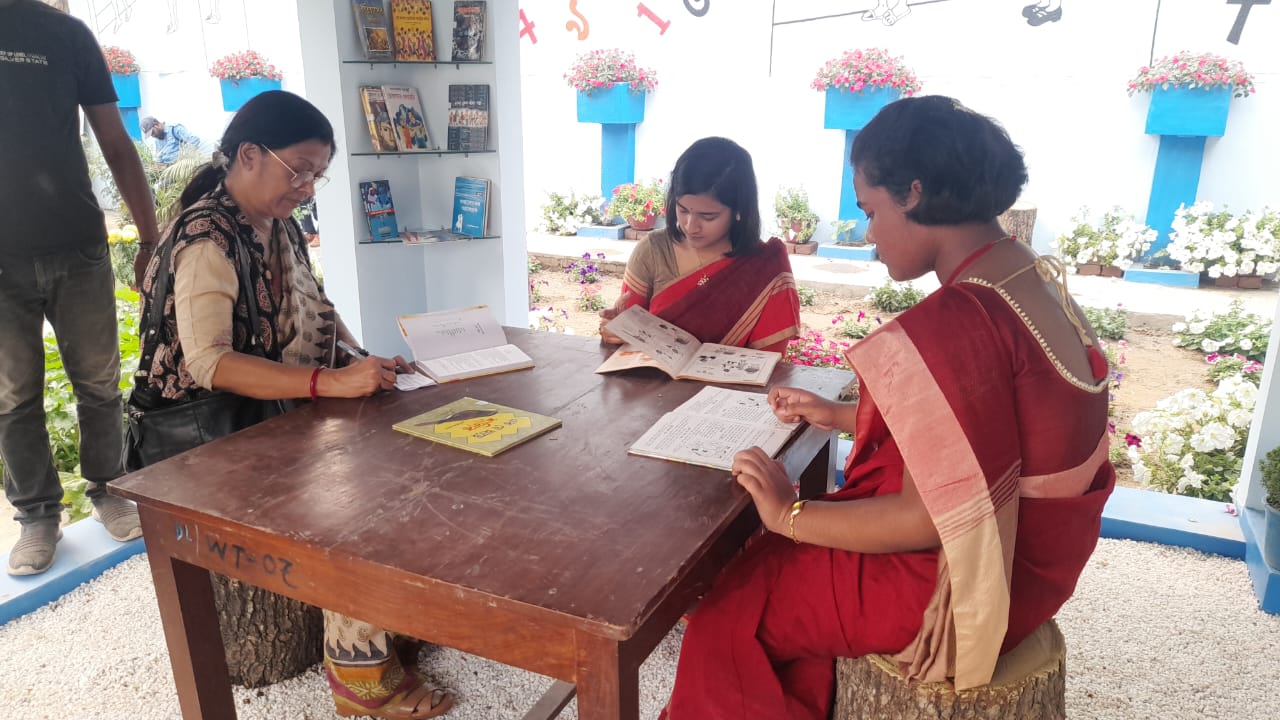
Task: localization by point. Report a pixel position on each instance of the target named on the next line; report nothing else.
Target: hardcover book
(468, 30)
(468, 117)
(373, 28)
(407, 118)
(470, 206)
(714, 425)
(459, 344)
(477, 426)
(382, 134)
(378, 208)
(412, 22)
(654, 342)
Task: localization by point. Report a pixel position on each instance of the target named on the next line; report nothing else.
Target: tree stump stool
(1019, 221)
(1029, 684)
(267, 637)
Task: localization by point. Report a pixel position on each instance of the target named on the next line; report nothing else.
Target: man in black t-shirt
(55, 267)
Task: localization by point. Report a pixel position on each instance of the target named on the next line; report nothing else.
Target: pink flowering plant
(873, 69)
(600, 69)
(120, 61)
(1194, 70)
(856, 327)
(244, 66)
(1224, 366)
(635, 201)
(813, 349)
(587, 274)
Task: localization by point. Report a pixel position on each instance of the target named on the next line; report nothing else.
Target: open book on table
(460, 344)
(654, 342)
(710, 427)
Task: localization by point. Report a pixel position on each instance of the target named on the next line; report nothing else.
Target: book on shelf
(477, 426)
(468, 117)
(654, 342)
(407, 118)
(459, 344)
(382, 133)
(468, 30)
(470, 206)
(709, 428)
(380, 210)
(426, 237)
(411, 20)
(374, 28)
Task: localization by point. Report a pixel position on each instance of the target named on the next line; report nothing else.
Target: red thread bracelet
(315, 375)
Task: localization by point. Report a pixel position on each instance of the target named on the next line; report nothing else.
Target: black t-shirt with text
(50, 64)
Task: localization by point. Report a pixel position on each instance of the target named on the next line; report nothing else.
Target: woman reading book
(236, 231)
(974, 493)
(708, 272)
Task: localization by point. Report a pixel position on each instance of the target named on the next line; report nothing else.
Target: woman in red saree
(974, 493)
(708, 272)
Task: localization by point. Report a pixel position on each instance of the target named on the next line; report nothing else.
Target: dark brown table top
(567, 522)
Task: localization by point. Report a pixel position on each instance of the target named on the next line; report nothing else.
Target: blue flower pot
(235, 93)
(616, 105)
(852, 111)
(128, 90)
(1193, 112)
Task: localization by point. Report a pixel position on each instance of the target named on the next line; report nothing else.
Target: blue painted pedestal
(618, 111)
(128, 99)
(1183, 118)
(235, 93)
(866, 253)
(851, 112)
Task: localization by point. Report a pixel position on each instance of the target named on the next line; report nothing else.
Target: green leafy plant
(601, 69)
(808, 296)
(1270, 467)
(856, 327)
(842, 231)
(564, 213)
(1233, 331)
(1222, 367)
(589, 298)
(796, 220)
(123, 244)
(636, 201)
(895, 297)
(1109, 323)
(1194, 70)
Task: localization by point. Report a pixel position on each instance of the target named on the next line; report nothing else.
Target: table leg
(608, 683)
(191, 631)
(820, 475)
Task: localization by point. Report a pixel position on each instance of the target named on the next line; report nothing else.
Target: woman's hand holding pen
(793, 405)
(361, 378)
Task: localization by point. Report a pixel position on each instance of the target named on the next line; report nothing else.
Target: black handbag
(156, 429)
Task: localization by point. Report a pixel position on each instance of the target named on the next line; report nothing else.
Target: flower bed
(1224, 245)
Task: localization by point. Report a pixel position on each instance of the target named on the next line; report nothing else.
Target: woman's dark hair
(721, 168)
(968, 168)
(274, 119)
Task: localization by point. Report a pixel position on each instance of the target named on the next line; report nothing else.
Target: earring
(738, 217)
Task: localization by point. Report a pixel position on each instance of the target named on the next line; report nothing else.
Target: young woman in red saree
(974, 493)
(708, 272)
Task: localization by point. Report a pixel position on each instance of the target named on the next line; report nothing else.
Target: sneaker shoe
(119, 516)
(33, 553)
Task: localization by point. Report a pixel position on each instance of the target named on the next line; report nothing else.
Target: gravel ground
(1153, 632)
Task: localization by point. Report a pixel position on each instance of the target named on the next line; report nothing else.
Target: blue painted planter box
(1192, 112)
(128, 90)
(852, 111)
(864, 253)
(235, 93)
(615, 106)
(1162, 276)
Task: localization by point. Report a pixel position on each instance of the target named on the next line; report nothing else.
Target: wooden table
(564, 556)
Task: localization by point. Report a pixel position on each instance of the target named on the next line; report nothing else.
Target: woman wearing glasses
(235, 253)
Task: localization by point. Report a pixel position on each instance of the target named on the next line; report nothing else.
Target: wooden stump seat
(1020, 221)
(1029, 684)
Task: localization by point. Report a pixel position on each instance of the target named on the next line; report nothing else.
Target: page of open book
(476, 362)
(627, 356)
(451, 332)
(709, 428)
(729, 364)
(668, 345)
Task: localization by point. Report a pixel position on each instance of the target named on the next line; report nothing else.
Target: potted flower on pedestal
(796, 220)
(124, 77)
(1104, 247)
(1233, 251)
(1270, 540)
(640, 204)
(611, 86)
(859, 83)
(242, 76)
(1190, 93)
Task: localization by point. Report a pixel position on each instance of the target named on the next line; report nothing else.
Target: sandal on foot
(424, 701)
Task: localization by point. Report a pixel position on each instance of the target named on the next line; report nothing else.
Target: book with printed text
(654, 342)
(470, 206)
(459, 344)
(411, 21)
(468, 30)
(468, 117)
(478, 426)
(407, 118)
(711, 427)
(382, 133)
(374, 28)
(375, 195)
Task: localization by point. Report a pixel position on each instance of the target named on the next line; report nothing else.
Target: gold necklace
(701, 264)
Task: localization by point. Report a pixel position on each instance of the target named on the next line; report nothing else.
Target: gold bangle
(796, 507)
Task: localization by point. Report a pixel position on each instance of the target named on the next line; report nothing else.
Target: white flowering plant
(1225, 245)
(1114, 239)
(1193, 442)
(564, 213)
(1226, 333)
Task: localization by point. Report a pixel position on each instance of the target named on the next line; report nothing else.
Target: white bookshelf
(373, 283)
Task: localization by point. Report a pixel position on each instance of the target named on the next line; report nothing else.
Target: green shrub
(1271, 477)
(1108, 323)
(856, 327)
(895, 297)
(807, 295)
(1230, 332)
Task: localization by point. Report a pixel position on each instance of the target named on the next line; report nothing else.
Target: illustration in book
(373, 28)
(412, 22)
(655, 342)
(478, 426)
(712, 426)
(382, 134)
(379, 209)
(468, 30)
(407, 118)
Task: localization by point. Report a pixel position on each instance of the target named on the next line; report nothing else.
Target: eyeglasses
(301, 179)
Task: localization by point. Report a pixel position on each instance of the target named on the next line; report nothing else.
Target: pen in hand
(353, 352)
(402, 367)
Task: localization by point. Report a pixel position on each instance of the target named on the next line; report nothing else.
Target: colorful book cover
(382, 134)
(378, 208)
(468, 117)
(477, 426)
(406, 117)
(470, 206)
(373, 28)
(468, 30)
(412, 22)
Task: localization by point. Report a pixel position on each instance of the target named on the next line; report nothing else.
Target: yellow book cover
(412, 22)
(478, 426)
